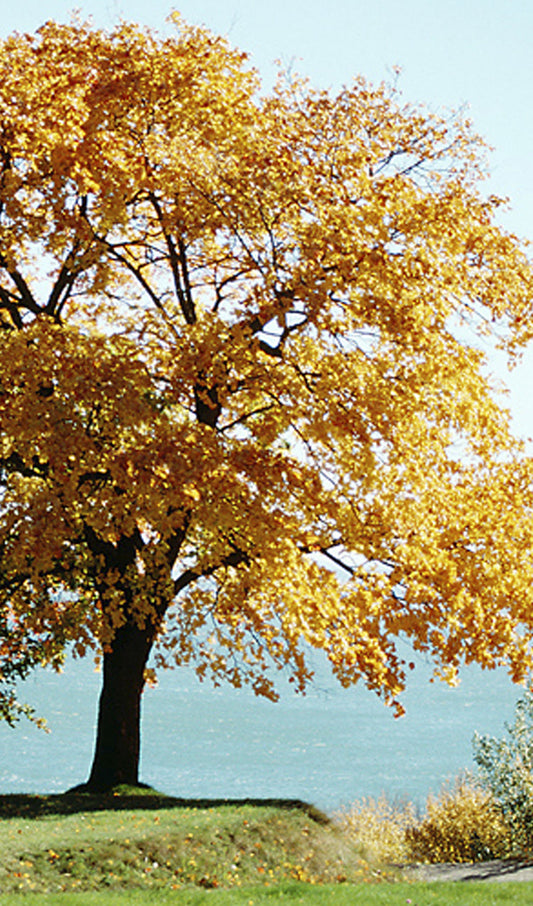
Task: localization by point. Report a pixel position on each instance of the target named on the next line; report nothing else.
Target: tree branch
(10, 306)
(26, 295)
(62, 287)
(246, 416)
(191, 575)
(176, 264)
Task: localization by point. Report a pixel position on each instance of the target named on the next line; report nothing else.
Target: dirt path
(496, 870)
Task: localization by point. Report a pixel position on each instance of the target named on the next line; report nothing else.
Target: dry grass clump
(462, 824)
(380, 828)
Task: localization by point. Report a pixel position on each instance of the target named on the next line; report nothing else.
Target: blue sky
(452, 53)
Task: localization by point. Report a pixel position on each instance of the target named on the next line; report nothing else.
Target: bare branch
(191, 575)
(61, 290)
(176, 265)
(338, 562)
(25, 293)
(244, 418)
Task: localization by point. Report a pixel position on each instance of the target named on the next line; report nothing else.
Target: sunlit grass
(295, 893)
(139, 850)
(210, 847)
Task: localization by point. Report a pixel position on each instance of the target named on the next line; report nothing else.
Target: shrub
(462, 824)
(506, 769)
(380, 828)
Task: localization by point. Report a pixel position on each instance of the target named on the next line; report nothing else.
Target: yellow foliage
(239, 360)
(462, 824)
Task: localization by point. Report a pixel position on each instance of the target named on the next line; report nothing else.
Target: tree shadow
(20, 805)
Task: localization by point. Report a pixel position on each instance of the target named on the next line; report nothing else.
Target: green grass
(138, 848)
(296, 893)
(150, 842)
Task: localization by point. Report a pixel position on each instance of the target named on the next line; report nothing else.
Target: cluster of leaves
(233, 364)
(18, 655)
(506, 768)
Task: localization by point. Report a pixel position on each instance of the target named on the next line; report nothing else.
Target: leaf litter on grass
(169, 849)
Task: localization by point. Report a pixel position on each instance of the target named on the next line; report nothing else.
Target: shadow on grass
(18, 805)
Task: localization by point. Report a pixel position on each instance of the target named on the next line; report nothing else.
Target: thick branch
(136, 271)
(175, 540)
(207, 405)
(15, 463)
(62, 288)
(26, 295)
(9, 304)
(185, 273)
(131, 267)
(337, 561)
(117, 556)
(178, 266)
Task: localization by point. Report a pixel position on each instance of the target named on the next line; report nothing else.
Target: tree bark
(117, 750)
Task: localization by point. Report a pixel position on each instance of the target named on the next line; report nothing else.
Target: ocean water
(331, 747)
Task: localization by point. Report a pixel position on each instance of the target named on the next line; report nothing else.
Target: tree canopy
(244, 405)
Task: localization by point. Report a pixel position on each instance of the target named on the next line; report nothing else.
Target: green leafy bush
(506, 769)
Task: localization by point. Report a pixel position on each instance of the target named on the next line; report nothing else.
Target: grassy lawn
(80, 843)
(133, 850)
(296, 893)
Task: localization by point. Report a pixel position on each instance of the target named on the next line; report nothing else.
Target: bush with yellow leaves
(462, 824)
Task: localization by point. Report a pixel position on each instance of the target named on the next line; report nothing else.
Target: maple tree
(239, 415)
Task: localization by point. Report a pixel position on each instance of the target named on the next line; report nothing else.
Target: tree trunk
(117, 751)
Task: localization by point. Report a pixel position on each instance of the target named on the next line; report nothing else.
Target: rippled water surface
(329, 748)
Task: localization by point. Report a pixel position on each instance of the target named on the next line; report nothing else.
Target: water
(329, 748)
